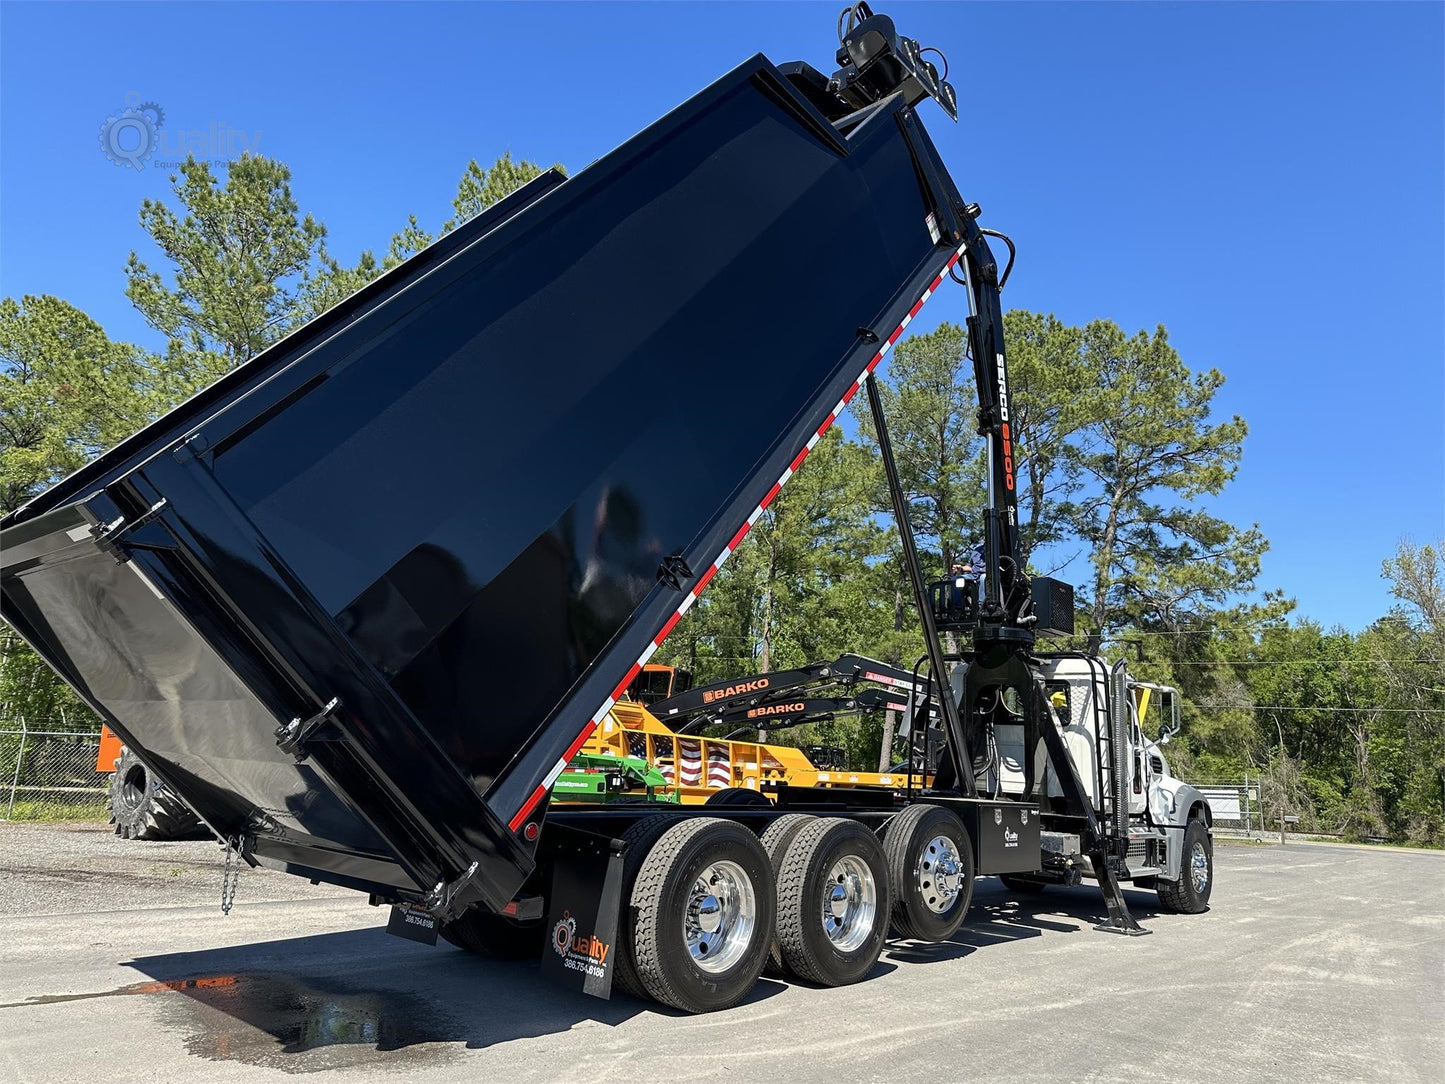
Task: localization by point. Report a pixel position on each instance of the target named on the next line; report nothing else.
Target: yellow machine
(696, 767)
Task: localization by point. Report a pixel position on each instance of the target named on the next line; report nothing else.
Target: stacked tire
(143, 807)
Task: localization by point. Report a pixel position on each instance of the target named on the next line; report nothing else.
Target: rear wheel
(833, 902)
(1190, 894)
(703, 915)
(776, 839)
(930, 859)
(639, 839)
(143, 807)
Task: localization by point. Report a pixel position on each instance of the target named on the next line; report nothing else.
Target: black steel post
(958, 747)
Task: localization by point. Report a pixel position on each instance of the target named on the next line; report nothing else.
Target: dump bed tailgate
(438, 530)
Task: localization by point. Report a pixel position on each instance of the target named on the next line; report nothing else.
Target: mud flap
(414, 922)
(585, 901)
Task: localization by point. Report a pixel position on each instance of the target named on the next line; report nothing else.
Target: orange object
(109, 750)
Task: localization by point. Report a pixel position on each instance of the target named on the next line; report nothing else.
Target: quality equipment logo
(563, 934)
(130, 136)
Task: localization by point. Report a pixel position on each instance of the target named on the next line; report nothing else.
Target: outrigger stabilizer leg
(1098, 845)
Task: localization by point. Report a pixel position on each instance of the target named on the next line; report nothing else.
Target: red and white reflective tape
(601, 713)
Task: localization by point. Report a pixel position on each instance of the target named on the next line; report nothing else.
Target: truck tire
(496, 936)
(703, 901)
(737, 796)
(930, 862)
(1190, 894)
(143, 807)
(639, 839)
(833, 902)
(1021, 884)
(775, 839)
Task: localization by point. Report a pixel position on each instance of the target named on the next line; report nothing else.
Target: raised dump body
(513, 462)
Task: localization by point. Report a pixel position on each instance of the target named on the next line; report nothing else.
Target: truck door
(1140, 772)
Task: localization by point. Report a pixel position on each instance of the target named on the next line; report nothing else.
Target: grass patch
(34, 812)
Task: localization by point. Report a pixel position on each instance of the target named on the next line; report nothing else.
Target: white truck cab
(1168, 821)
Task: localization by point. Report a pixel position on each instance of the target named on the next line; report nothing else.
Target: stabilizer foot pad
(1127, 931)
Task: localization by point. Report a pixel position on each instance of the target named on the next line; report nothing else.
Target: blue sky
(1267, 180)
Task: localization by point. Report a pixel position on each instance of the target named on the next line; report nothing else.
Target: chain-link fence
(1235, 803)
(49, 775)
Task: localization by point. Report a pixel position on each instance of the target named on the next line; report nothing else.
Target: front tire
(1190, 894)
(833, 902)
(703, 915)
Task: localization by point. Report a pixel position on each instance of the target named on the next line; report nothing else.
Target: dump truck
(295, 595)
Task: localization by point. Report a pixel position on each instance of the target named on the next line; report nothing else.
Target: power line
(1300, 662)
(1292, 707)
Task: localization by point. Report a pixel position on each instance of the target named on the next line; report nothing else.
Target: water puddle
(289, 1022)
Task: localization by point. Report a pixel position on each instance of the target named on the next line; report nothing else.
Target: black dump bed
(442, 525)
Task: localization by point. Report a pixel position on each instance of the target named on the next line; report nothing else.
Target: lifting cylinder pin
(291, 737)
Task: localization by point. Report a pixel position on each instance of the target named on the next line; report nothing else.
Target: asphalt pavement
(1314, 963)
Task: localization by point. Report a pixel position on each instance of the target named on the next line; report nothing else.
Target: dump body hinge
(292, 736)
(107, 535)
(450, 898)
(674, 571)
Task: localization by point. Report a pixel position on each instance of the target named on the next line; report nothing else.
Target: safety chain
(231, 874)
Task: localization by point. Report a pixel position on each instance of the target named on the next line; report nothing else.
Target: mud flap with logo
(413, 922)
(585, 902)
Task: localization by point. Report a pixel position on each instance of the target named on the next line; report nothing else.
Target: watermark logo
(563, 934)
(132, 136)
(129, 137)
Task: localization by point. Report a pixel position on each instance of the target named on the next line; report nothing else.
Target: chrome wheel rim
(850, 903)
(940, 874)
(722, 911)
(1199, 868)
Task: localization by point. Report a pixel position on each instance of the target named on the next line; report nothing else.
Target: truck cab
(1158, 807)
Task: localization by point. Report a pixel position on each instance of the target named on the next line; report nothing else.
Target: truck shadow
(999, 916)
(334, 1000)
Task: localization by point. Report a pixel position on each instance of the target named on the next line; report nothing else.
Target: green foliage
(239, 257)
(1056, 399)
(806, 584)
(29, 690)
(930, 405)
(1155, 444)
(800, 587)
(480, 188)
(67, 392)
